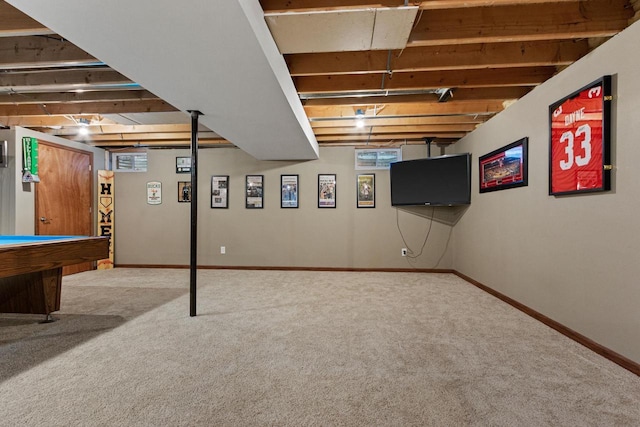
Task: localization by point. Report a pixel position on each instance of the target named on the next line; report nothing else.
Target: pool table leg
(32, 293)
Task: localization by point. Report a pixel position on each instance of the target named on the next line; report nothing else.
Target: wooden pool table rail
(31, 273)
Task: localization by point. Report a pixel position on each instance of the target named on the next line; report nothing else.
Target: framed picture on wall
(366, 190)
(254, 192)
(579, 140)
(220, 191)
(184, 191)
(183, 164)
(154, 193)
(288, 191)
(4, 162)
(506, 167)
(327, 190)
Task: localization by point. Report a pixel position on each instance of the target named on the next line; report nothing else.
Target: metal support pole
(193, 266)
(428, 142)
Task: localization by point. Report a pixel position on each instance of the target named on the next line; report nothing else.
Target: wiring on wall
(410, 252)
(411, 255)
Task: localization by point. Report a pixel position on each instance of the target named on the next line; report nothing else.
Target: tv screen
(434, 181)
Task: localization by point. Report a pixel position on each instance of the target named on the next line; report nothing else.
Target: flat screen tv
(434, 181)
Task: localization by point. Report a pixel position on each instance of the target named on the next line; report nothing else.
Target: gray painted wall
(8, 186)
(345, 237)
(574, 259)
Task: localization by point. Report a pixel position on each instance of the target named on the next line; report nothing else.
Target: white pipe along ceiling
(217, 57)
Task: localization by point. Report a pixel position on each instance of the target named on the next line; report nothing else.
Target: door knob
(43, 219)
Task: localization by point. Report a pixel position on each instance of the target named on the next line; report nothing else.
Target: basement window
(377, 159)
(129, 162)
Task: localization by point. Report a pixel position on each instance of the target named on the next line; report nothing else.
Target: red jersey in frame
(579, 141)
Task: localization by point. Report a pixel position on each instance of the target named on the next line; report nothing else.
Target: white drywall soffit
(342, 31)
(216, 58)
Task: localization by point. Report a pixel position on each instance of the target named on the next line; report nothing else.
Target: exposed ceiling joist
(482, 54)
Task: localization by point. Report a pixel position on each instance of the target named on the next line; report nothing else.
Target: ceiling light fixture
(359, 118)
(83, 130)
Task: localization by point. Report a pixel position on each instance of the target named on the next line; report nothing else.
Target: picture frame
(289, 191)
(219, 191)
(184, 191)
(580, 140)
(327, 190)
(366, 190)
(504, 168)
(4, 156)
(183, 164)
(254, 192)
(154, 193)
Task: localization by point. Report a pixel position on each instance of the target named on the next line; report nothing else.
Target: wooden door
(63, 195)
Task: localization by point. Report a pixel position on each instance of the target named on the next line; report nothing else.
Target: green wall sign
(30, 159)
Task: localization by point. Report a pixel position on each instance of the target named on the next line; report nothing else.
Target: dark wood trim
(252, 267)
(603, 351)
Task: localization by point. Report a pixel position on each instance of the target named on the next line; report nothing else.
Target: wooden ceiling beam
(15, 23)
(407, 121)
(160, 143)
(390, 136)
(425, 80)
(461, 94)
(522, 22)
(76, 97)
(40, 52)
(433, 58)
(156, 136)
(274, 6)
(107, 107)
(62, 80)
(446, 108)
(352, 130)
(117, 129)
(43, 121)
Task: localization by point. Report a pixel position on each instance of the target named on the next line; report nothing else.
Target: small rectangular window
(130, 162)
(377, 159)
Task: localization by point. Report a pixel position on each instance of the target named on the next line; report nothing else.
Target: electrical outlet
(223, 250)
(403, 252)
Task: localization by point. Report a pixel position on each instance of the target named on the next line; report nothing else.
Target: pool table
(31, 269)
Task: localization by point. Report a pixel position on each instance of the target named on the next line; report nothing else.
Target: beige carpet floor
(299, 349)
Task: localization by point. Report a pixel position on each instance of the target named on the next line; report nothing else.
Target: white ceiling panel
(342, 30)
(323, 31)
(393, 26)
(217, 57)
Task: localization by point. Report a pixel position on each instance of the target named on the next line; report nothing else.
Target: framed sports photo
(579, 141)
(183, 164)
(366, 190)
(254, 194)
(326, 190)
(220, 191)
(4, 162)
(184, 191)
(506, 167)
(288, 191)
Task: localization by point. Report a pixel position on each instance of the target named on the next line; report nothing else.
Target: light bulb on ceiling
(83, 130)
(359, 118)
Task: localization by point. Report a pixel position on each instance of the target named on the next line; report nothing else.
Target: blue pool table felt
(21, 240)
